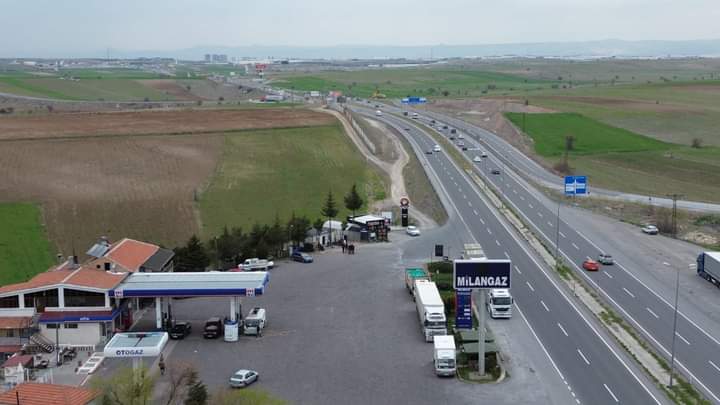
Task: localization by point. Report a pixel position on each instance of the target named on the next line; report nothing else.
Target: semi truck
(444, 355)
(499, 303)
(708, 267)
(411, 275)
(431, 309)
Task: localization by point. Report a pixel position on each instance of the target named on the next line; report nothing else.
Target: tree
(329, 210)
(445, 93)
(275, 236)
(181, 377)
(125, 387)
(297, 228)
(197, 394)
(192, 257)
(696, 143)
(353, 201)
(318, 226)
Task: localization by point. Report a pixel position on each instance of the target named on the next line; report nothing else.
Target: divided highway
(697, 352)
(594, 371)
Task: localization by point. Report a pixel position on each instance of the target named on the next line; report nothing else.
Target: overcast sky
(44, 27)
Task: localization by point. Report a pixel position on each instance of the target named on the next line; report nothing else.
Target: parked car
(412, 230)
(495, 171)
(301, 257)
(180, 330)
(650, 229)
(243, 378)
(214, 328)
(605, 258)
(591, 265)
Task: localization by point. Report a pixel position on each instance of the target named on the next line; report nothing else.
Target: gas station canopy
(195, 284)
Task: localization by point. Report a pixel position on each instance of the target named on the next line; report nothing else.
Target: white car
(412, 230)
(477, 159)
(461, 136)
(650, 229)
(243, 378)
(436, 148)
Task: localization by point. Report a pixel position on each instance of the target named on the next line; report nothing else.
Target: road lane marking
(544, 306)
(653, 313)
(682, 338)
(489, 231)
(530, 286)
(530, 205)
(475, 212)
(522, 198)
(550, 224)
(481, 221)
(469, 204)
(540, 214)
(562, 329)
(464, 196)
(583, 357)
(714, 365)
(518, 270)
(575, 246)
(607, 274)
(497, 242)
(514, 191)
(507, 255)
(611, 393)
(562, 234)
(628, 292)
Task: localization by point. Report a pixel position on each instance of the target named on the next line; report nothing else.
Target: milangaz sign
(477, 274)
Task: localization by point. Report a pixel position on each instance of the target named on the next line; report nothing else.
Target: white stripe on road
(628, 292)
(575, 246)
(540, 215)
(544, 306)
(562, 329)
(481, 221)
(475, 212)
(607, 274)
(611, 393)
(530, 286)
(682, 338)
(464, 196)
(514, 191)
(550, 223)
(522, 198)
(583, 357)
(562, 234)
(518, 270)
(653, 313)
(489, 231)
(469, 204)
(507, 255)
(530, 205)
(714, 365)
(496, 241)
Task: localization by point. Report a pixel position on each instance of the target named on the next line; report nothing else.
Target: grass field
(24, 247)
(111, 89)
(267, 172)
(618, 159)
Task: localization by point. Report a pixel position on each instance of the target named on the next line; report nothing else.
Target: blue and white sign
(414, 100)
(575, 185)
(463, 309)
(481, 274)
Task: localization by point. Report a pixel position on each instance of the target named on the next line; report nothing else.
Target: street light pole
(672, 350)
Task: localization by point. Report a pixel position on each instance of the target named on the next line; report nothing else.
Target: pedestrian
(343, 247)
(162, 366)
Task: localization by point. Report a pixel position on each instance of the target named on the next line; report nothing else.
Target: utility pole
(674, 197)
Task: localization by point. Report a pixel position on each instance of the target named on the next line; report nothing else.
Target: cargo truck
(444, 355)
(411, 275)
(708, 267)
(499, 303)
(431, 309)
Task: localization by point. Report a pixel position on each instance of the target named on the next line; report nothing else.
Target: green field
(618, 159)
(111, 89)
(24, 247)
(397, 83)
(267, 172)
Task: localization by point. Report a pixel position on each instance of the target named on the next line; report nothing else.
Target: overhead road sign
(414, 100)
(575, 185)
(481, 274)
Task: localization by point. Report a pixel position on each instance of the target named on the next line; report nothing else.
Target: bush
(563, 168)
(444, 267)
(696, 143)
(663, 220)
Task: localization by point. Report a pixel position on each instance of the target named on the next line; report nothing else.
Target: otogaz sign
(481, 274)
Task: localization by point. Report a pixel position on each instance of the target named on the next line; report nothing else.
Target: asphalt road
(696, 350)
(593, 368)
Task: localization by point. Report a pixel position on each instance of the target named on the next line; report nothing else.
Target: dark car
(301, 257)
(464, 147)
(495, 171)
(452, 131)
(429, 152)
(214, 328)
(180, 330)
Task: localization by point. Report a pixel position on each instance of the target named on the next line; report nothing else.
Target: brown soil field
(67, 125)
(170, 87)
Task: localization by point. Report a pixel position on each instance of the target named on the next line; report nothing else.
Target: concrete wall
(87, 333)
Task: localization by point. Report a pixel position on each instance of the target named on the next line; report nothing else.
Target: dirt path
(393, 169)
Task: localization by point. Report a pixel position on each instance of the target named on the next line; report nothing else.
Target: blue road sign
(481, 274)
(414, 100)
(575, 185)
(463, 309)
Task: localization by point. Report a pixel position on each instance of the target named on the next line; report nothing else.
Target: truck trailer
(431, 309)
(411, 275)
(708, 267)
(444, 355)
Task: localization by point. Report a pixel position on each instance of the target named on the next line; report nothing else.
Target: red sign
(404, 202)
(260, 66)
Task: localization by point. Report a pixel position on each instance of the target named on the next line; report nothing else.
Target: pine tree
(353, 201)
(193, 256)
(330, 210)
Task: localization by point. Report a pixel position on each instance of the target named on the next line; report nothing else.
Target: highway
(594, 370)
(697, 352)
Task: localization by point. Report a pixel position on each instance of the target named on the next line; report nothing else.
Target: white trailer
(708, 267)
(431, 310)
(254, 322)
(499, 303)
(444, 355)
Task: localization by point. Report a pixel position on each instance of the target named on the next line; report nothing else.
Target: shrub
(696, 143)
(444, 267)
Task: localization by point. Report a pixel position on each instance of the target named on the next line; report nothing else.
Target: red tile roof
(88, 277)
(43, 394)
(14, 322)
(41, 280)
(131, 253)
(13, 361)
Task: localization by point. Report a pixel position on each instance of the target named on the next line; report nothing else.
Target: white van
(254, 322)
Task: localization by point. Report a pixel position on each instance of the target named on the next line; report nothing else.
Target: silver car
(243, 378)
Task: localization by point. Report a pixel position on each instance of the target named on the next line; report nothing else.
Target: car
(477, 159)
(460, 143)
(437, 148)
(301, 257)
(483, 154)
(591, 265)
(445, 127)
(650, 229)
(407, 129)
(180, 330)
(429, 152)
(242, 378)
(452, 131)
(605, 258)
(214, 328)
(452, 137)
(461, 136)
(495, 171)
(464, 147)
(412, 230)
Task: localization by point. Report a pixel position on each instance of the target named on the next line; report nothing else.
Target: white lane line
(489, 231)
(530, 286)
(575, 246)
(514, 191)
(475, 212)
(544, 306)
(550, 224)
(653, 313)
(607, 274)
(469, 204)
(481, 221)
(562, 234)
(611, 393)
(714, 365)
(518, 270)
(464, 197)
(682, 338)
(628, 292)
(562, 329)
(522, 198)
(540, 215)
(497, 242)
(530, 205)
(583, 357)
(541, 343)
(507, 255)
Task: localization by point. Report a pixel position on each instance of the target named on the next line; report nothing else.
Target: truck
(254, 322)
(444, 355)
(708, 267)
(256, 264)
(499, 303)
(272, 98)
(431, 309)
(411, 275)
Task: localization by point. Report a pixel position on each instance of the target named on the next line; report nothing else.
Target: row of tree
(234, 244)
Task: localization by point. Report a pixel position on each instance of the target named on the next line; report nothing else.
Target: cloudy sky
(52, 27)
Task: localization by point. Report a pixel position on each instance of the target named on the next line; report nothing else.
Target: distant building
(217, 58)
(208, 58)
